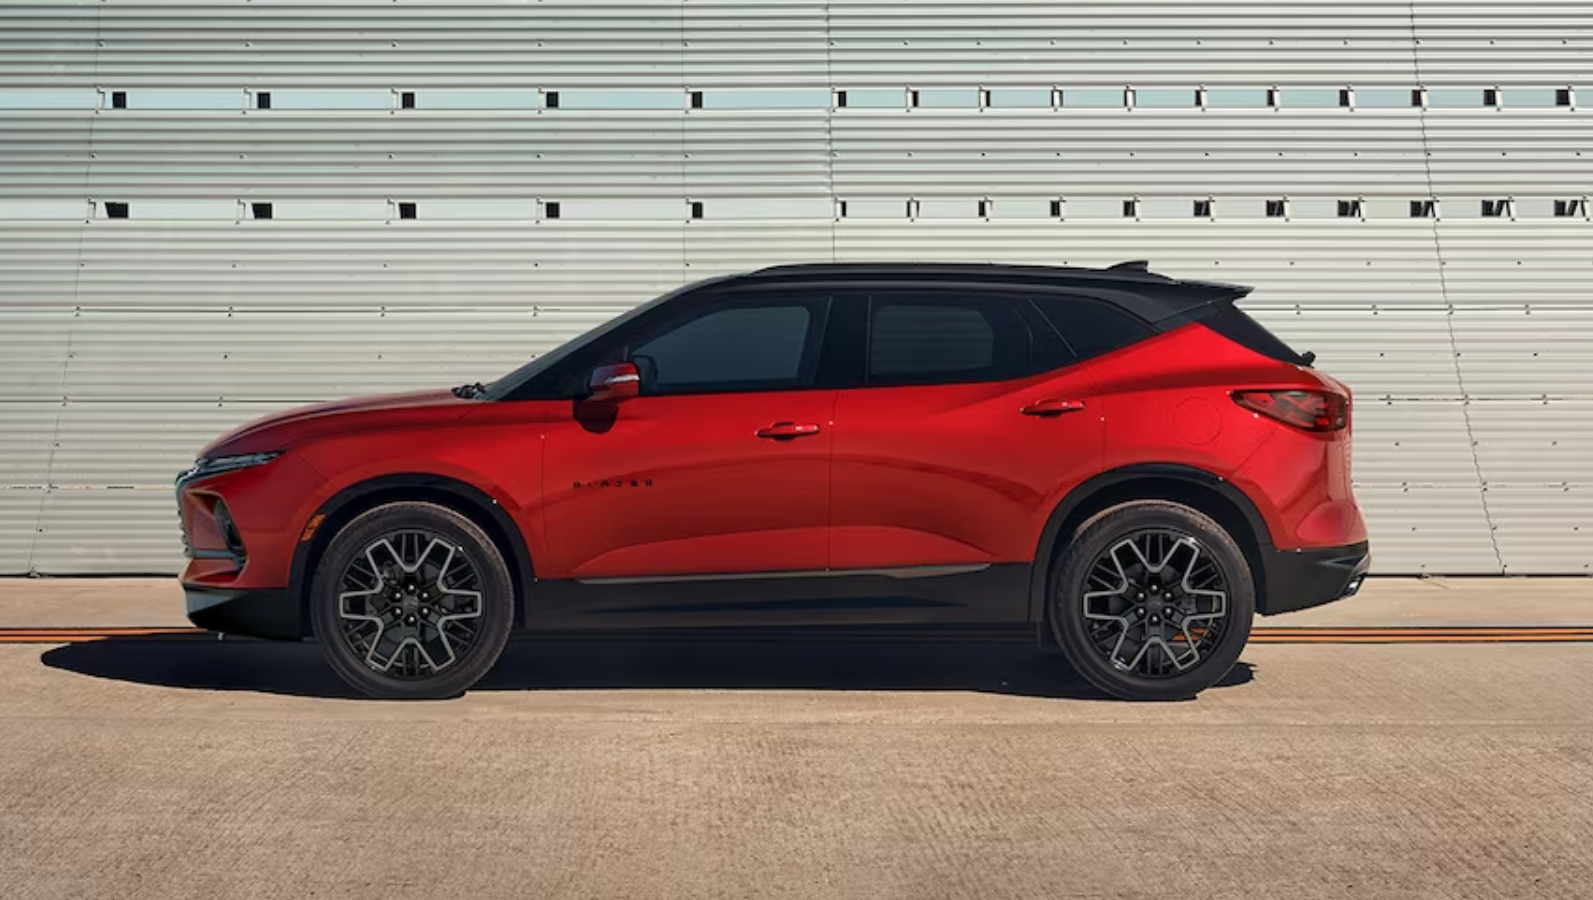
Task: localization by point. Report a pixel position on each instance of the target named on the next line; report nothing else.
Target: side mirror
(611, 384)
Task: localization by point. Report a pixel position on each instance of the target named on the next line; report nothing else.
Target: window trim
(848, 298)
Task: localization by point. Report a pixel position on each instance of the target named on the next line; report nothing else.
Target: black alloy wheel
(1152, 601)
(412, 600)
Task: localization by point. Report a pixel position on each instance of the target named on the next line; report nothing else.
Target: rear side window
(1092, 328)
(942, 339)
(912, 339)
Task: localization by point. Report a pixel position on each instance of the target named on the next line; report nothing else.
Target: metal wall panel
(1543, 529)
(805, 130)
(19, 518)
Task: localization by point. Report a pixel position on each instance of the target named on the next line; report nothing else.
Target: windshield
(503, 386)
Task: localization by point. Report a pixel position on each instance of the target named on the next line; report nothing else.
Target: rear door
(970, 423)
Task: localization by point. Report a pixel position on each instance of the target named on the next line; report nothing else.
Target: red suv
(1121, 463)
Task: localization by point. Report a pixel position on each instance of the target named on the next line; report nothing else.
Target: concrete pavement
(102, 602)
(191, 768)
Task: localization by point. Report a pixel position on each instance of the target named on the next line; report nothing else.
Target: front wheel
(1152, 601)
(412, 601)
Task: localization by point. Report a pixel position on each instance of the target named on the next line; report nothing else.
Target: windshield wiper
(469, 391)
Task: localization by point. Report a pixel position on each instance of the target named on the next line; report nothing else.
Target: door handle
(785, 431)
(1052, 407)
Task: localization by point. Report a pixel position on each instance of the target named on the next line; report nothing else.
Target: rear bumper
(272, 614)
(1301, 579)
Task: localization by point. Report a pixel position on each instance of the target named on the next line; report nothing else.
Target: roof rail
(1137, 270)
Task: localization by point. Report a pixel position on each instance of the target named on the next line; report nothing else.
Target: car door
(971, 421)
(720, 467)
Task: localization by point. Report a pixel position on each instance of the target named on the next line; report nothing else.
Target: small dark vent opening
(1495, 209)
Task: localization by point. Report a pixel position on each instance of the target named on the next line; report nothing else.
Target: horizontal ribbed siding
(126, 344)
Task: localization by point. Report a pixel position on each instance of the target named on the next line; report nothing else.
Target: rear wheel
(1152, 601)
(412, 601)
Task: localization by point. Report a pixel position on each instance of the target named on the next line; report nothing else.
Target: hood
(281, 430)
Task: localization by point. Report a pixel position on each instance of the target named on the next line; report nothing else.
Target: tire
(427, 633)
(1108, 588)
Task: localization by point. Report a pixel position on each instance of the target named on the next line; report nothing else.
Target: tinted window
(1092, 328)
(561, 372)
(732, 348)
(919, 339)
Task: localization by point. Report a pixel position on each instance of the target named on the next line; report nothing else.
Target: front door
(719, 468)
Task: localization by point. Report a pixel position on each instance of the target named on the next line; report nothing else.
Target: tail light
(1306, 410)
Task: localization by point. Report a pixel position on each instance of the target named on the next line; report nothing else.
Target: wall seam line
(1449, 306)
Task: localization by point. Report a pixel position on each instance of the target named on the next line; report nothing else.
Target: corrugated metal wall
(1278, 144)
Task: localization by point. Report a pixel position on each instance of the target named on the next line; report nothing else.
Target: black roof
(1129, 285)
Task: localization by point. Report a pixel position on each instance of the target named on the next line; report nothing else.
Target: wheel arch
(461, 497)
(1205, 491)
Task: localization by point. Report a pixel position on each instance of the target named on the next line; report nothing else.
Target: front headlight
(216, 465)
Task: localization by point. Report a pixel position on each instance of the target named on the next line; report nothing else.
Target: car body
(890, 447)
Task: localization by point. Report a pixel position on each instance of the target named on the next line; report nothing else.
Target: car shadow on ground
(206, 663)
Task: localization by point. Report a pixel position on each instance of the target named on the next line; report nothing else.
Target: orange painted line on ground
(1429, 630)
(1265, 635)
(1415, 636)
(80, 635)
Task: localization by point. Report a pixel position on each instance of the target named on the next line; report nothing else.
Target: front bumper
(271, 614)
(1301, 579)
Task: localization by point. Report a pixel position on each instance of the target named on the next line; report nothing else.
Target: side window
(746, 346)
(917, 339)
(1092, 328)
(932, 339)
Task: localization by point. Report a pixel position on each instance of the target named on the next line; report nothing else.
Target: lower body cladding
(272, 614)
(976, 600)
(1300, 579)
